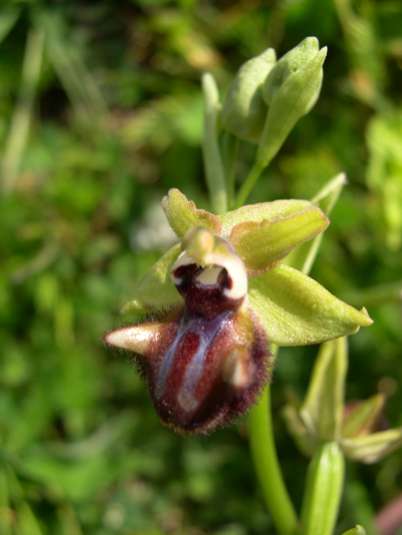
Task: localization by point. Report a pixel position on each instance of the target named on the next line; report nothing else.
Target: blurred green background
(101, 113)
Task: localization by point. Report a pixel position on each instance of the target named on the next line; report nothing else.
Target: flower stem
(267, 466)
(323, 490)
(230, 155)
(214, 171)
(249, 183)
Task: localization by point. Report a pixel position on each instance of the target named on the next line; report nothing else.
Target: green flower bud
(323, 490)
(290, 91)
(293, 62)
(244, 110)
(323, 416)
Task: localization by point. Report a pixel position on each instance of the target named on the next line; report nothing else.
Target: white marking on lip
(209, 276)
(195, 367)
(167, 361)
(183, 259)
(237, 273)
(215, 261)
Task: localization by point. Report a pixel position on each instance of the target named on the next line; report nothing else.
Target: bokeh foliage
(90, 140)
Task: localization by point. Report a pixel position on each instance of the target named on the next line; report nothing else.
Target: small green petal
(372, 448)
(262, 244)
(269, 211)
(322, 410)
(296, 310)
(183, 214)
(156, 291)
(363, 416)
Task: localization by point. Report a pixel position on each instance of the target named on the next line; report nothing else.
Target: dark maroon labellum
(206, 364)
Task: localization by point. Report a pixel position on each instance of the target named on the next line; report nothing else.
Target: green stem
(267, 466)
(249, 183)
(214, 170)
(231, 169)
(323, 490)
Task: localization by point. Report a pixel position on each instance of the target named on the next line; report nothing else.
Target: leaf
(262, 244)
(76, 480)
(156, 291)
(372, 448)
(322, 410)
(296, 310)
(183, 215)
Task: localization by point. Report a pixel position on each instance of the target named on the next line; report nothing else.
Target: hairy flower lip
(202, 372)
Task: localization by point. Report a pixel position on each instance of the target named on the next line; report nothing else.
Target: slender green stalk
(249, 183)
(323, 490)
(230, 150)
(267, 466)
(20, 122)
(214, 171)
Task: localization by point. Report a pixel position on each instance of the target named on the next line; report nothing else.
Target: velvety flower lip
(207, 360)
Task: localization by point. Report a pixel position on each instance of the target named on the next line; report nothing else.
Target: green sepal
(264, 211)
(362, 417)
(322, 410)
(262, 244)
(372, 448)
(183, 215)
(305, 441)
(244, 109)
(357, 530)
(156, 291)
(290, 91)
(296, 310)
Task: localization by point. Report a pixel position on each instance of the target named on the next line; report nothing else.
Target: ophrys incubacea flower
(222, 297)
